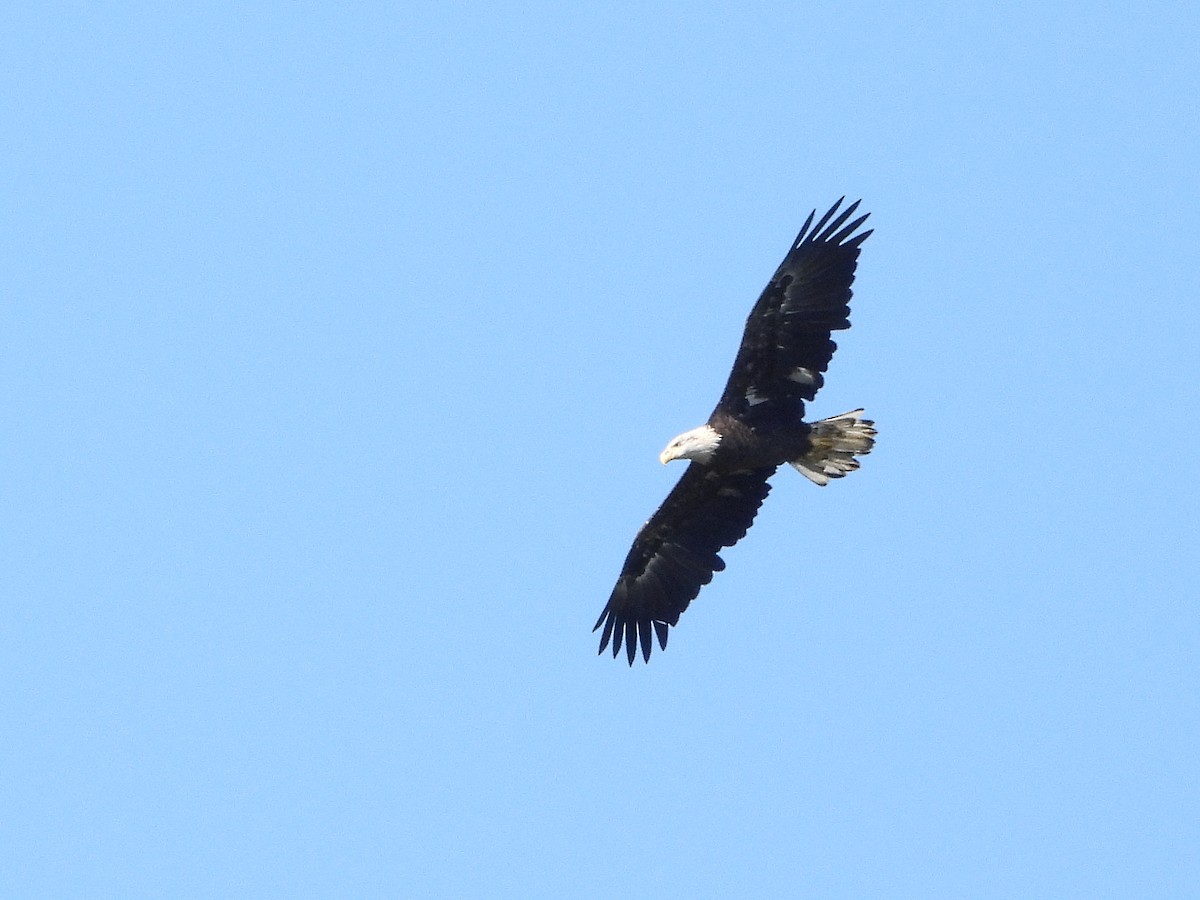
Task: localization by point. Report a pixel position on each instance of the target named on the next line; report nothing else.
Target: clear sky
(339, 342)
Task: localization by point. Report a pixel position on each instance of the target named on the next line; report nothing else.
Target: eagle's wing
(675, 553)
(786, 345)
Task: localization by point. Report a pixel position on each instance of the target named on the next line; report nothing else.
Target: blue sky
(339, 344)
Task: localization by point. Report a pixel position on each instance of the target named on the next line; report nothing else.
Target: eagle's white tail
(836, 442)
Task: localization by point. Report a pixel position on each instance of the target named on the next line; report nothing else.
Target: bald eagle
(756, 427)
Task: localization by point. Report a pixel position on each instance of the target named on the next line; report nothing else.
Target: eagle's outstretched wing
(675, 554)
(786, 345)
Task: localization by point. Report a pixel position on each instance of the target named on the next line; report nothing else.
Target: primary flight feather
(756, 427)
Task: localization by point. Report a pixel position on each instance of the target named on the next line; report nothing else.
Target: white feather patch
(801, 375)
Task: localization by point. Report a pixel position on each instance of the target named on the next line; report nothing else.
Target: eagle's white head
(699, 444)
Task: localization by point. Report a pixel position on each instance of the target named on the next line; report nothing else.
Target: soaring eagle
(756, 427)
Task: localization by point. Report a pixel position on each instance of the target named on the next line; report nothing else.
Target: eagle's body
(756, 427)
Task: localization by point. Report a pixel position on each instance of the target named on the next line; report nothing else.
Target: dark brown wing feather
(790, 325)
(675, 554)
